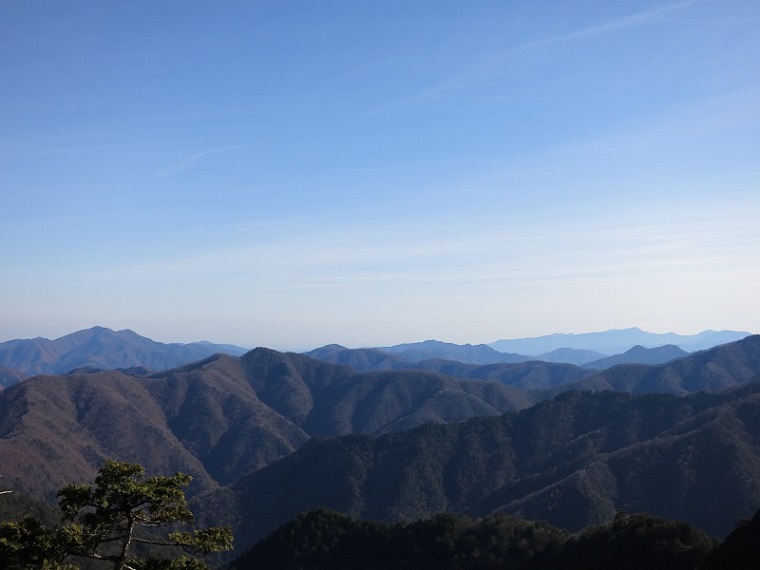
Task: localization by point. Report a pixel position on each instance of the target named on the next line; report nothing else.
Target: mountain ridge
(578, 349)
(718, 368)
(100, 347)
(402, 444)
(679, 372)
(572, 461)
(639, 355)
(472, 354)
(615, 341)
(217, 418)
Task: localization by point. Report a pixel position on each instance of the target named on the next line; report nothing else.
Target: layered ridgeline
(218, 418)
(572, 461)
(639, 355)
(99, 347)
(221, 417)
(552, 347)
(591, 350)
(525, 375)
(102, 348)
(367, 359)
(615, 341)
(715, 369)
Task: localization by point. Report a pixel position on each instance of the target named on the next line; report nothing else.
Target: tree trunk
(121, 561)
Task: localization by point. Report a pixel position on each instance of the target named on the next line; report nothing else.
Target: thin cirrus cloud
(191, 160)
(451, 88)
(501, 255)
(507, 269)
(492, 74)
(520, 164)
(645, 18)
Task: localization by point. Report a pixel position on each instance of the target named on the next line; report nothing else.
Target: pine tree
(104, 522)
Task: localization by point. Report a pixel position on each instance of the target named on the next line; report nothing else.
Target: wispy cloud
(492, 73)
(634, 20)
(486, 258)
(189, 161)
(450, 88)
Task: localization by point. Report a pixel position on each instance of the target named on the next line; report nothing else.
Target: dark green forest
(573, 461)
(323, 539)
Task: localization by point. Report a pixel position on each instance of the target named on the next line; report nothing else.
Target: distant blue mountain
(102, 348)
(639, 355)
(472, 354)
(575, 356)
(616, 341)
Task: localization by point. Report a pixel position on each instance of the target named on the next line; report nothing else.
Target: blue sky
(293, 173)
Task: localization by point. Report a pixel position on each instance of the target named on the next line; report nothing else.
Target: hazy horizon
(295, 174)
(309, 348)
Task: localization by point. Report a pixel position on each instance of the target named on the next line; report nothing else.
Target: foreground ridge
(325, 539)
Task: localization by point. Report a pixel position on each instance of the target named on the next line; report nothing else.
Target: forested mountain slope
(322, 539)
(471, 354)
(8, 376)
(638, 355)
(714, 369)
(360, 359)
(218, 418)
(572, 461)
(718, 368)
(533, 375)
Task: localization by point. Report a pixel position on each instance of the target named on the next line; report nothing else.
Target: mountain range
(615, 341)
(217, 418)
(573, 461)
(719, 368)
(367, 359)
(105, 349)
(638, 355)
(269, 434)
(98, 347)
(472, 354)
(591, 350)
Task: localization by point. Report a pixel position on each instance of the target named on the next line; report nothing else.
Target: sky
(291, 174)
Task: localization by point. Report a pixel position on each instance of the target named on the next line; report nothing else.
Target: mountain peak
(103, 348)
